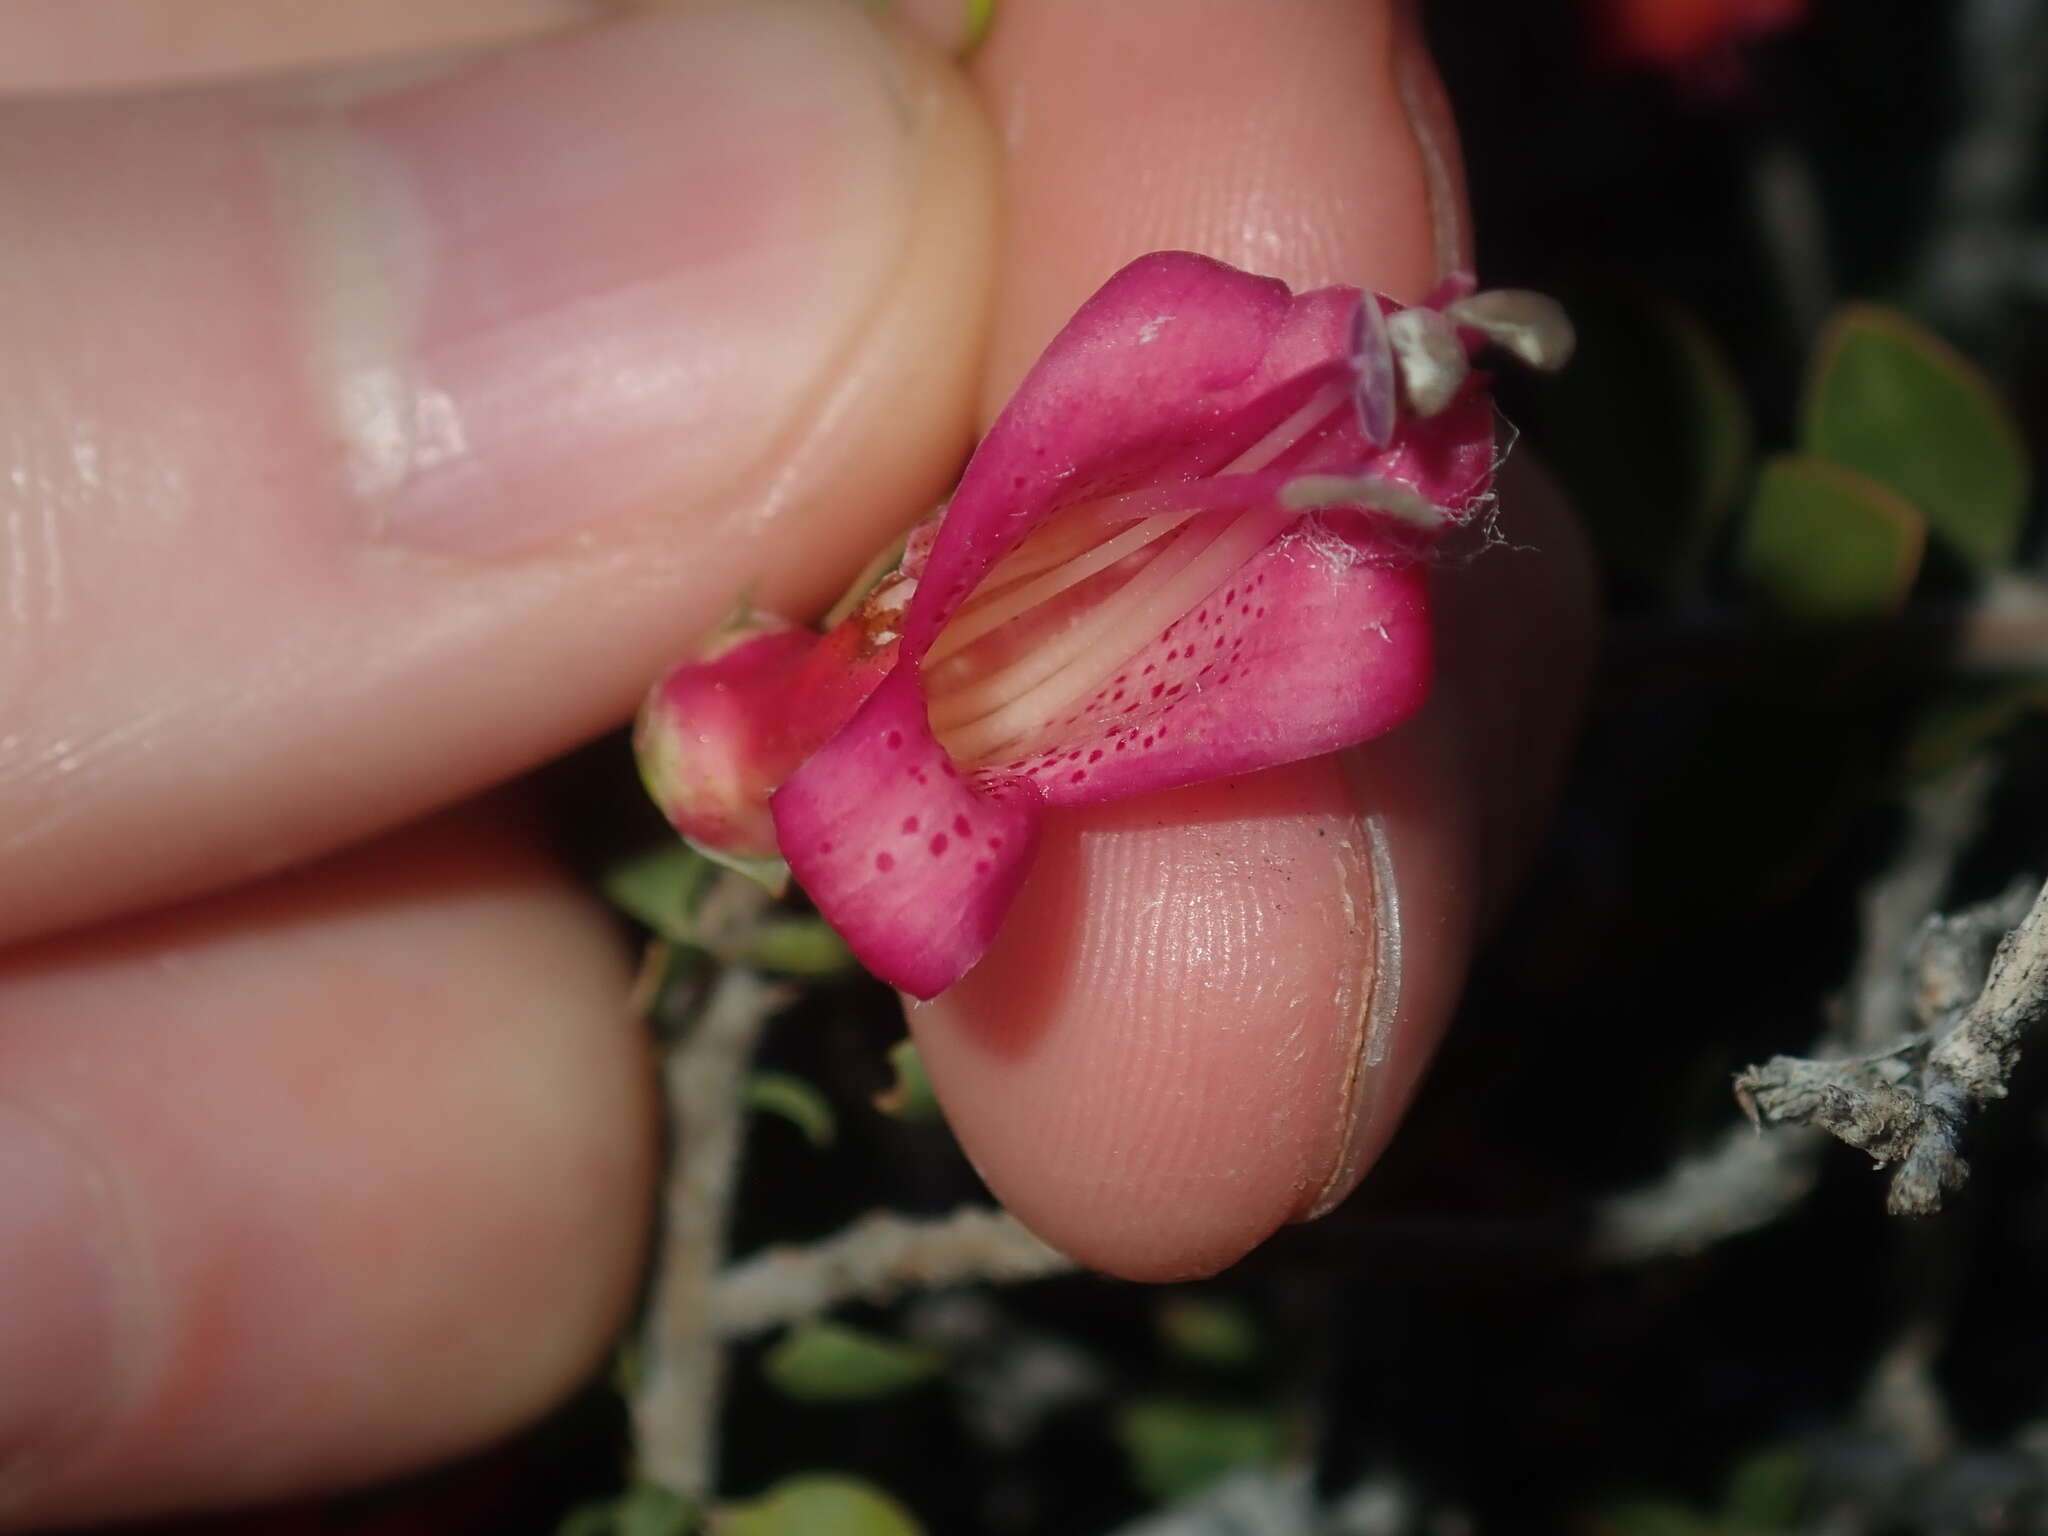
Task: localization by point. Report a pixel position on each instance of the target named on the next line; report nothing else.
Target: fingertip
(383, 439)
(375, 1148)
(1275, 136)
(1153, 1067)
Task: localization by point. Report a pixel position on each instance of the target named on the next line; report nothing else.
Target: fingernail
(1378, 996)
(597, 273)
(1428, 110)
(58, 1292)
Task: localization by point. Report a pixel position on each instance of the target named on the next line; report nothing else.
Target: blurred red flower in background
(1679, 34)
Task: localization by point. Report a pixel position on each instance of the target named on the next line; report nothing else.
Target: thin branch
(1978, 1055)
(1909, 1106)
(675, 1409)
(1942, 819)
(1744, 1181)
(873, 1259)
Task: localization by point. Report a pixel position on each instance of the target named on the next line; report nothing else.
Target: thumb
(368, 438)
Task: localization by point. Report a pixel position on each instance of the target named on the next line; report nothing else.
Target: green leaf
(910, 1096)
(1765, 1490)
(1176, 1447)
(645, 1509)
(789, 1096)
(772, 875)
(660, 889)
(1649, 427)
(1210, 1331)
(817, 1504)
(1825, 545)
(1893, 401)
(797, 946)
(827, 1362)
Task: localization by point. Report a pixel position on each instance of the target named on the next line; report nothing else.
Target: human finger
(365, 441)
(97, 45)
(1208, 1008)
(330, 1176)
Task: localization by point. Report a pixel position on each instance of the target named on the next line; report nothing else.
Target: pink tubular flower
(1192, 545)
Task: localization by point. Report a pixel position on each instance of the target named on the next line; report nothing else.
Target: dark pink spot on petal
(938, 844)
(824, 847)
(893, 740)
(1078, 775)
(962, 826)
(909, 825)
(1095, 756)
(885, 862)
(981, 866)
(1146, 742)
(995, 842)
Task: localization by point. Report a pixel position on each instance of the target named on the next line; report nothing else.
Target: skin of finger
(98, 45)
(380, 1139)
(1170, 1051)
(211, 672)
(1270, 136)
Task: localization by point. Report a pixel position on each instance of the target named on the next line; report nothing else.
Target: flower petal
(913, 865)
(717, 734)
(1141, 376)
(1314, 634)
(1308, 648)
(708, 738)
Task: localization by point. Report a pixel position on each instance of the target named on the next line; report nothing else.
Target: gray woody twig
(696, 1304)
(874, 1259)
(675, 1409)
(1743, 1181)
(1907, 1106)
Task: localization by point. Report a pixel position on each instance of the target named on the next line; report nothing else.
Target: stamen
(984, 617)
(1123, 625)
(1003, 594)
(1290, 431)
(1041, 662)
(1075, 529)
(1532, 326)
(996, 710)
(1430, 357)
(1304, 493)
